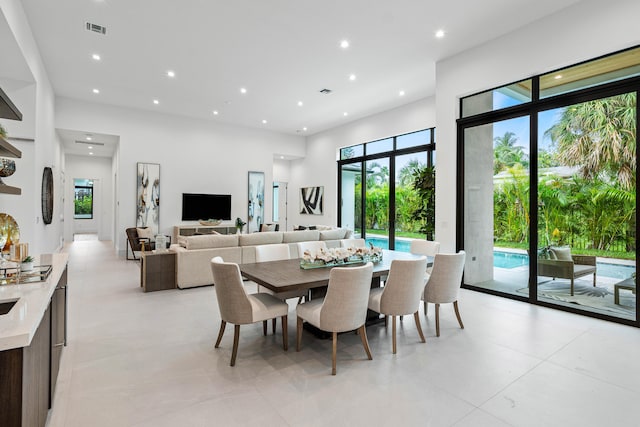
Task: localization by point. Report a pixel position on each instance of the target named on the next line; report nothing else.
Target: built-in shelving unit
(8, 111)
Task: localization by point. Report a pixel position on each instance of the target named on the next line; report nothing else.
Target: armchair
(137, 237)
(564, 265)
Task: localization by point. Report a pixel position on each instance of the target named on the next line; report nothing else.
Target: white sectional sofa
(194, 253)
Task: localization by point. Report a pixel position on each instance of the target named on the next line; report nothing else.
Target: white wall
(98, 169)
(580, 32)
(195, 156)
(46, 149)
(320, 168)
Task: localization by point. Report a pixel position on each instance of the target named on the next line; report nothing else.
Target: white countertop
(18, 327)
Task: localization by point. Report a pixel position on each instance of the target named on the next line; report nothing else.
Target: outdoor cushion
(562, 254)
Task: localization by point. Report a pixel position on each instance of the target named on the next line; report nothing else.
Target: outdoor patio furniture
(627, 284)
(567, 266)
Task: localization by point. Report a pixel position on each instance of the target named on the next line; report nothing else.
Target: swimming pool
(509, 260)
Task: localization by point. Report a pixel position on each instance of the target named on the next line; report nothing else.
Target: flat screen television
(205, 206)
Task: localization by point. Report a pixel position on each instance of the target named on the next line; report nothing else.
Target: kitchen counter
(19, 325)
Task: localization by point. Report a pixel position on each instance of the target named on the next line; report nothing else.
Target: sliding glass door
(387, 189)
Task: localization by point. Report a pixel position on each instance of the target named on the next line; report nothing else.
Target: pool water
(513, 260)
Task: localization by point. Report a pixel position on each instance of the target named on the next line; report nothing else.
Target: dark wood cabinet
(28, 374)
(24, 380)
(58, 330)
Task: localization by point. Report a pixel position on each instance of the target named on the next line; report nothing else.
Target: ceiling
(281, 51)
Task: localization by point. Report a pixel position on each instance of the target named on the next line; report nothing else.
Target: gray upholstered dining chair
(239, 308)
(401, 293)
(276, 252)
(344, 308)
(444, 283)
(425, 247)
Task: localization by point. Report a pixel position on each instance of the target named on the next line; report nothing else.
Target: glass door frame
(429, 148)
(531, 109)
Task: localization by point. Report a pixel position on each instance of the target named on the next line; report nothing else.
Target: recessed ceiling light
(96, 91)
(401, 93)
(439, 34)
(96, 56)
(88, 138)
(345, 114)
(304, 128)
(264, 122)
(155, 101)
(344, 44)
(281, 157)
(558, 77)
(352, 77)
(90, 147)
(215, 112)
(171, 73)
(91, 153)
(300, 104)
(243, 90)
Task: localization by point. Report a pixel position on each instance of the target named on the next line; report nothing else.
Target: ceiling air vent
(325, 91)
(96, 28)
(89, 142)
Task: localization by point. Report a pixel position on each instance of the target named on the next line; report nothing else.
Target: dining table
(288, 275)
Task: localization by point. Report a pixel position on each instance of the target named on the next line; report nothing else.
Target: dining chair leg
(416, 316)
(285, 333)
(386, 321)
(273, 325)
(221, 333)
(300, 299)
(426, 306)
(264, 327)
(393, 332)
(236, 338)
(334, 353)
(455, 307)
(437, 320)
(298, 333)
(365, 342)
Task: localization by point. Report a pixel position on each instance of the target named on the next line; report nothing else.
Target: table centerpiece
(334, 257)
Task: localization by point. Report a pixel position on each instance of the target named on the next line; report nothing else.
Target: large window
(387, 189)
(83, 199)
(548, 193)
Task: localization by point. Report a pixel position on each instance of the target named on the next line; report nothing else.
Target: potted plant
(27, 264)
(239, 224)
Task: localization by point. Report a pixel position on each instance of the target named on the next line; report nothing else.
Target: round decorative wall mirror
(47, 195)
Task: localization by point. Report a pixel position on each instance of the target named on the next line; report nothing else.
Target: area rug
(587, 296)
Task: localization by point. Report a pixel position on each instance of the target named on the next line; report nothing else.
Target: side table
(157, 271)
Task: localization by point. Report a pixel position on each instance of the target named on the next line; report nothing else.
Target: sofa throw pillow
(268, 227)
(145, 233)
(562, 254)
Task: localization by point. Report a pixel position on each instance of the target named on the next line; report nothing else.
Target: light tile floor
(137, 359)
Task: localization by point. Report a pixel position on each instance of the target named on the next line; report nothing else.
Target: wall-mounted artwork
(255, 216)
(148, 196)
(311, 200)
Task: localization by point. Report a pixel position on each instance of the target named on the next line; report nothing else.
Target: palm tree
(506, 153)
(600, 137)
(406, 175)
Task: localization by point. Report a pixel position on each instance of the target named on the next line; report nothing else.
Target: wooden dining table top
(287, 275)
